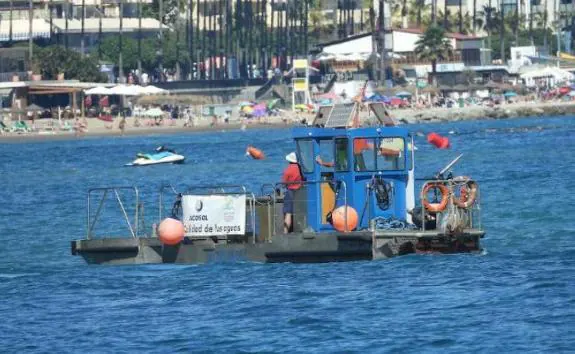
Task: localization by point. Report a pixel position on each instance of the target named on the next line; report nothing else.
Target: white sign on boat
(211, 215)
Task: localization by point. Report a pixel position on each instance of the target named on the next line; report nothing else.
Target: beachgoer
(122, 125)
(292, 178)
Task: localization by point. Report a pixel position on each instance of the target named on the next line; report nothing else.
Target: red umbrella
(564, 90)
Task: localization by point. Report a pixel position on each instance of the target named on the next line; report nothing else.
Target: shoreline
(99, 129)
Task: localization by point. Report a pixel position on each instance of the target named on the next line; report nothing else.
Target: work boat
(360, 206)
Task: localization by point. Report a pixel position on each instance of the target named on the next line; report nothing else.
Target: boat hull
(296, 248)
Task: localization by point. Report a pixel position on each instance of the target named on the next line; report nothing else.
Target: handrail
(265, 88)
(134, 229)
(161, 198)
(451, 183)
(330, 84)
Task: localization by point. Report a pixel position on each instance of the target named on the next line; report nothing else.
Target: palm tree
(417, 9)
(460, 16)
(502, 31)
(433, 46)
(445, 14)
(473, 22)
(541, 21)
(396, 7)
(487, 21)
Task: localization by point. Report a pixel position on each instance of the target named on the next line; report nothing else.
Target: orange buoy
(342, 223)
(255, 153)
(439, 141)
(171, 231)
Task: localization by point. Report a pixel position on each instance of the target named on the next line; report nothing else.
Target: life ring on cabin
(467, 195)
(435, 207)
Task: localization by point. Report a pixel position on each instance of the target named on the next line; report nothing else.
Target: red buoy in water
(440, 142)
(255, 153)
(171, 231)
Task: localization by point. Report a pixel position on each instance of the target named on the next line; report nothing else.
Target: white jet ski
(162, 155)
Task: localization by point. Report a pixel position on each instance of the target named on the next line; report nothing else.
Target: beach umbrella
(154, 112)
(247, 109)
(260, 106)
(395, 101)
(403, 94)
(34, 107)
(126, 90)
(509, 94)
(100, 90)
(151, 90)
(259, 113)
(564, 90)
(245, 103)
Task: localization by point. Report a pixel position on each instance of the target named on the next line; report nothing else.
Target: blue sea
(518, 295)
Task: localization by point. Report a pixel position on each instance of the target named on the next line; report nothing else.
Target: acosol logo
(199, 205)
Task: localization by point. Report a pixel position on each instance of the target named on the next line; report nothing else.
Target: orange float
(344, 223)
(255, 153)
(438, 141)
(435, 207)
(467, 196)
(171, 231)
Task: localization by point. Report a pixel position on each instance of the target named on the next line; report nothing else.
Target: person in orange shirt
(292, 178)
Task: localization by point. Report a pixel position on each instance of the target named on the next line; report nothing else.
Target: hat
(291, 157)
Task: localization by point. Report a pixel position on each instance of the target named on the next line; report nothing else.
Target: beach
(43, 129)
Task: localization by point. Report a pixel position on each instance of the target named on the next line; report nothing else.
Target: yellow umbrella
(247, 109)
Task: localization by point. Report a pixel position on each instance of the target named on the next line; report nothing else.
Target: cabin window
(391, 154)
(364, 154)
(326, 155)
(305, 150)
(341, 155)
(383, 154)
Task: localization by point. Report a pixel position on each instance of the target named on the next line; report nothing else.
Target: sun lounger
(66, 126)
(20, 127)
(4, 128)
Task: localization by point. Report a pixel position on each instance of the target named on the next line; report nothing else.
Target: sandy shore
(99, 128)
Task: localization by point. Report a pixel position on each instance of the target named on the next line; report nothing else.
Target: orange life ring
(435, 207)
(255, 153)
(467, 197)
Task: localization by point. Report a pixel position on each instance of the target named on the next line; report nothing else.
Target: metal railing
(133, 227)
(472, 214)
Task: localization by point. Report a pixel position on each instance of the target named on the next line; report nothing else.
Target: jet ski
(161, 155)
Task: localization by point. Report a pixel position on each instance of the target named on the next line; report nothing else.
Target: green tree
(53, 60)
(433, 46)
(110, 48)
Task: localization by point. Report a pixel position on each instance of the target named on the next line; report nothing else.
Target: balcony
(413, 59)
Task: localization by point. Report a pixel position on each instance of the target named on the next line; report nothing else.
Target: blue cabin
(369, 169)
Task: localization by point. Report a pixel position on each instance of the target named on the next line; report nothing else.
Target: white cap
(291, 157)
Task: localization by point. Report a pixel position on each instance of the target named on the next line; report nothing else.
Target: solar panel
(379, 110)
(341, 116)
(322, 115)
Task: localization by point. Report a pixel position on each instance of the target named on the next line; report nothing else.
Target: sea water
(518, 295)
